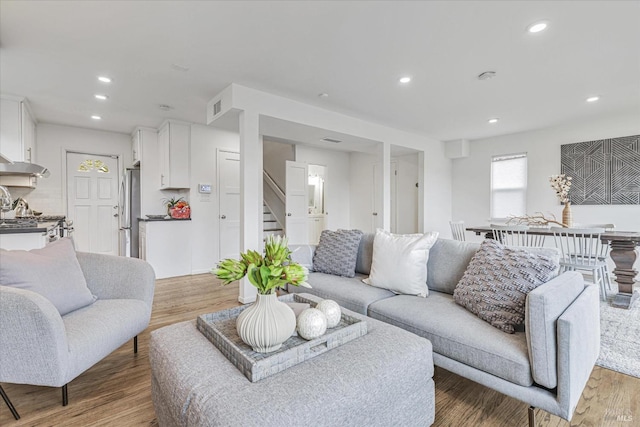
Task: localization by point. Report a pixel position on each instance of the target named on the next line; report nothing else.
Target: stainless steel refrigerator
(129, 213)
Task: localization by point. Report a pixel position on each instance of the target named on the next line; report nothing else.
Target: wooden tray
(220, 329)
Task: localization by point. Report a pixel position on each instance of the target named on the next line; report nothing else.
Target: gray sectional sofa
(547, 365)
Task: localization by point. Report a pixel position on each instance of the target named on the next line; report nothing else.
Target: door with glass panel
(92, 201)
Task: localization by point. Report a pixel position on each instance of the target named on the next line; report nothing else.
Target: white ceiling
(52, 51)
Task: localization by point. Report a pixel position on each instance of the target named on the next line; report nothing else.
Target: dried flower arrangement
(561, 184)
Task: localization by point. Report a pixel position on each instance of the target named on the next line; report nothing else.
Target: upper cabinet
(136, 146)
(17, 130)
(174, 141)
(140, 138)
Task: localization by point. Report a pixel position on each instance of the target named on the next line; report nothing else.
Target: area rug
(620, 335)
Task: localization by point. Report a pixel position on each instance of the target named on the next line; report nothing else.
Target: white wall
(51, 142)
(205, 207)
(361, 190)
(275, 155)
(471, 175)
(337, 195)
(435, 193)
(407, 194)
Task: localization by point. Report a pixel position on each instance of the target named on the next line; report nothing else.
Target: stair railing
(274, 198)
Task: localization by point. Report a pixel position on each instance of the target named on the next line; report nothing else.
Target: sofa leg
(532, 416)
(135, 344)
(65, 395)
(9, 404)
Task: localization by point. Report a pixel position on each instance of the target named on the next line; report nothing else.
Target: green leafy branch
(273, 270)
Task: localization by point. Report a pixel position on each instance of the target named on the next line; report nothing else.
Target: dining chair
(516, 235)
(580, 249)
(604, 252)
(457, 230)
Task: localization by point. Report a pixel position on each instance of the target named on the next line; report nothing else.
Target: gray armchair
(38, 346)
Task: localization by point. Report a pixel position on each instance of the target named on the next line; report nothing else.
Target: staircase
(270, 225)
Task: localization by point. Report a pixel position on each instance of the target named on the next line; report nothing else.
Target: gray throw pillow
(53, 272)
(337, 252)
(496, 283)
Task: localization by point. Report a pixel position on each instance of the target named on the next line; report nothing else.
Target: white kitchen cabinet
(22, 241)
(17, 130)
(165, 245)
(139, 138)
(174, 141)
(136, 144)
(316, 225)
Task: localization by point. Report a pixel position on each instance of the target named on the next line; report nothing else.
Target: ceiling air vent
(217, 107)
(328, 139)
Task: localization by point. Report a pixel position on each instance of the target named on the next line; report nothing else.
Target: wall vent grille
(217, 108)
(328, 139)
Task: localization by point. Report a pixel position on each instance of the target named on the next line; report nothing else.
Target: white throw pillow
(400, 262)
(53, 272)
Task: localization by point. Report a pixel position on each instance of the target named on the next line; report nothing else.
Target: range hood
(23, 168)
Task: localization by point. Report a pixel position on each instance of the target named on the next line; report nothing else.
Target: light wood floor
(116, 391)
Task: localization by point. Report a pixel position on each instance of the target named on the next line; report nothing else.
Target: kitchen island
(164, 245)
(28, 233)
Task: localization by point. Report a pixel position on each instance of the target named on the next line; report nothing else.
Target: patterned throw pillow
(497, 280)
(337, 252)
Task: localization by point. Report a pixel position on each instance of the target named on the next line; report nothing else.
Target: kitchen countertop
(42, 227)
(166, 218)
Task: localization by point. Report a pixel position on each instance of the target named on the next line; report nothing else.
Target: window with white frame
(508, 186)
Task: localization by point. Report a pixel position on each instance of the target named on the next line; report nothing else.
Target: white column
(386, 185)
(422, 200)
(250, 194)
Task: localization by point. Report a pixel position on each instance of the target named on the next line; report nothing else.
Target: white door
(376, 205)
(229, 194)
(394, 197)
(377, 197)
(296, 222)
(92, 201)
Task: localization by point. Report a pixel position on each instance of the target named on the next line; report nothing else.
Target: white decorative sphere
(312, 323)
(331, 309)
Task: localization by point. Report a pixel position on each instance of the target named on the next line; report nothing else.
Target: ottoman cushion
(383, 378)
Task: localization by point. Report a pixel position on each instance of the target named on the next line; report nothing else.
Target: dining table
(624, 253)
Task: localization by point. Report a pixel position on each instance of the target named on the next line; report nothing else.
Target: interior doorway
(92, 201)
(317, 201)
(229, 203)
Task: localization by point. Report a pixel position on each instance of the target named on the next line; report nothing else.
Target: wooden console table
(623, 253)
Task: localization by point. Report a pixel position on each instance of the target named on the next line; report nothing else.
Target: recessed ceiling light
(323, 95)
(494, 120)
(405, 79)
(593, 98)
(100, 97)
(536, 27)
(104, 79)
(94, 117)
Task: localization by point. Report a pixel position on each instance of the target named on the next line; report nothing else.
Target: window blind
(508, 185)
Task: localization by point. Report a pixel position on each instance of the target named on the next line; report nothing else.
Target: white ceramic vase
(266, 324)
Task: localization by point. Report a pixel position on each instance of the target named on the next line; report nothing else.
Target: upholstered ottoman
(383, 378)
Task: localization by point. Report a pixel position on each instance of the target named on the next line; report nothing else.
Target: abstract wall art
(605, 172)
